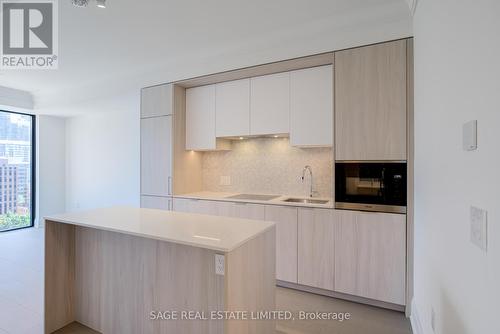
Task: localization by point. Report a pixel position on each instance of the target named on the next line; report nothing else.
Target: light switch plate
(470, 136)
(220, 264)
(225, 180)
(479, 227)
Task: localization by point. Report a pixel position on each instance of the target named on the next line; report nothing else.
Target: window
(17, 162)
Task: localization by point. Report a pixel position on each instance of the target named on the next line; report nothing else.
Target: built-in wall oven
(370, 186)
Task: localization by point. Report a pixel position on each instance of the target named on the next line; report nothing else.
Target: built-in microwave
(371, 186)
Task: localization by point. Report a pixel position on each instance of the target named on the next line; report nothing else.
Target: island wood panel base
(251, 283)
(110, 282)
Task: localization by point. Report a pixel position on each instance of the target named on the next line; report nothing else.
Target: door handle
(169, 185)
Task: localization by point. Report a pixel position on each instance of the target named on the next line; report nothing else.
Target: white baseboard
(416, 325)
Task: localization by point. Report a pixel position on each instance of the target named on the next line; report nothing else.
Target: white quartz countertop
(279, 200)
(210, 232)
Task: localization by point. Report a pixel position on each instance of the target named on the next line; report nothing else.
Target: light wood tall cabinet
(370, 102)
(156, 156)
(232, 108)
(270, 104)
(285, 218)
(316, 251)
(311, 107)
(156, 147)
(370, 255)
(156, 101)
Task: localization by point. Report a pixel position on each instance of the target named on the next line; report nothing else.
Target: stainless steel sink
(306, 200)
(253, 197)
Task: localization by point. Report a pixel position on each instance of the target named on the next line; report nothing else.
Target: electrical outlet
(478, 227)
(433, 320)
(225, 180)
(219, 264)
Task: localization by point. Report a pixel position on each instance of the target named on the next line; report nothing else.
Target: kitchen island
(130, 270)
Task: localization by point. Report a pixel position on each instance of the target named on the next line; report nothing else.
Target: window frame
(33, 170)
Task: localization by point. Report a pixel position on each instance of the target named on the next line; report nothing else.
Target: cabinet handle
(169, 185)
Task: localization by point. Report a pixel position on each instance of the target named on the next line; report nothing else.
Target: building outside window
(16, 170)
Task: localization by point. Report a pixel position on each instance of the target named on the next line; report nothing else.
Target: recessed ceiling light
(275, 136)
(241, 138)
(101, 3)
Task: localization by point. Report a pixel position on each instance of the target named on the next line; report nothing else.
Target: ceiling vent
(80, 3)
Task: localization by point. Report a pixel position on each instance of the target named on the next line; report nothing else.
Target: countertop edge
(158, 238)
(276, 201)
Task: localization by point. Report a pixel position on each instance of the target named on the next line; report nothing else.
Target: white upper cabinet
(156, 101)
(311, 106)
(200, 118)
(270, 104)
(298, 103)
(232, 108)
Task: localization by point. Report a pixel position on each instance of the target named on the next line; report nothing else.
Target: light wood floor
(21, 298)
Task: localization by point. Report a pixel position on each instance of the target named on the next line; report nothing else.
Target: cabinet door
(183, 205)
(156, 156)
(370, 255)
(311, 106)
(247, 211)
(285, 218)
(316, 234)
(370, 102)
(270, 104)
(156, 202)
(216, 208)
(232, 108)
(200, 118)
(191, 205)
(156, 101)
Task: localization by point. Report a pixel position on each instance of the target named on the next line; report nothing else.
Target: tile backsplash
(268, 165)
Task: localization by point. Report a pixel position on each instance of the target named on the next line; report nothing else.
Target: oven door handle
(382, 183)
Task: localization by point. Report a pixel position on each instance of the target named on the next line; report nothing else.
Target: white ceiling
(135, 43)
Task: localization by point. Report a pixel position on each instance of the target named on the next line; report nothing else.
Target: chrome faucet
(308, 168)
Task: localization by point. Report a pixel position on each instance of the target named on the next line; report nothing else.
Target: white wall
(103, 153)
(457, 79)
(50, 170)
